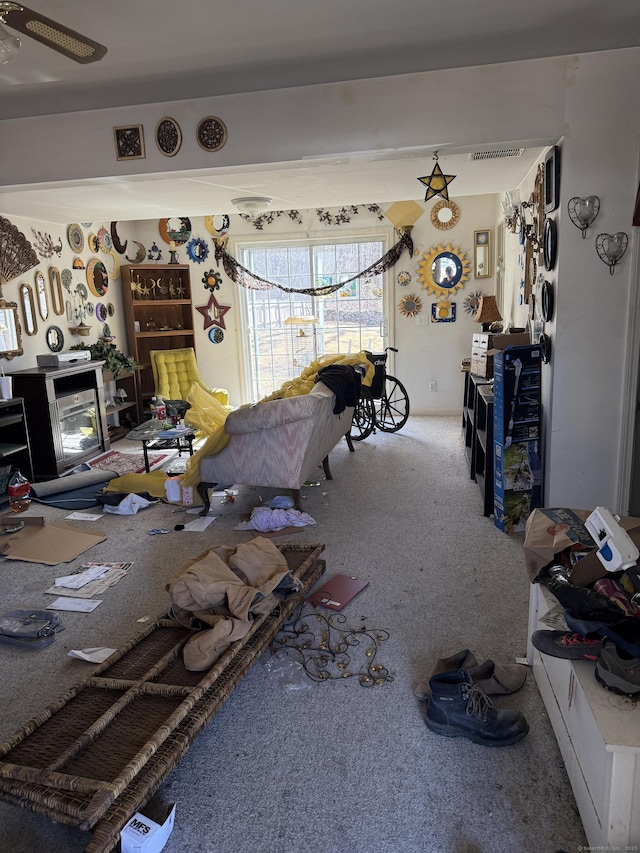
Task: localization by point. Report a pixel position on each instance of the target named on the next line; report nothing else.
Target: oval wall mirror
(55, 288)
(28, 309)
(10, 332)
(41, 295)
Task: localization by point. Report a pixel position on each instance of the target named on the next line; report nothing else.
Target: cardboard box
(551, 531)
(488, 340)
(517, 487)
(143, 835)
(517, 394)
(482, 362)
(39, 542)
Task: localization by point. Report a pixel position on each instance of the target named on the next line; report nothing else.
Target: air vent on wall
(498, 154)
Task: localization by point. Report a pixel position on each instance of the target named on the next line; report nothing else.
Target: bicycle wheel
(363, 416)
(392, 409)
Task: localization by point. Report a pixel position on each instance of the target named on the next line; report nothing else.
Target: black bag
(30, 629)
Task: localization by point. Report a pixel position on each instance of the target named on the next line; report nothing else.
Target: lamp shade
(487, 312)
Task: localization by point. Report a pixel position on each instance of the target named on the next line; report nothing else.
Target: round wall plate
(549, 244)
(101, 312)
(75, 237)
(546, 301)
(211, 133)
(168, 136)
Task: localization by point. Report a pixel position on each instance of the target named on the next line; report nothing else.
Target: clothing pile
(222, 591)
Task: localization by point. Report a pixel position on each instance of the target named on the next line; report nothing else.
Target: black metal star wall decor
(437, 182)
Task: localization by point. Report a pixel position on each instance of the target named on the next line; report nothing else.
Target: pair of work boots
(458, 706)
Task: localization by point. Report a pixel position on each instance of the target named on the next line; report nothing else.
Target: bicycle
(384, 405)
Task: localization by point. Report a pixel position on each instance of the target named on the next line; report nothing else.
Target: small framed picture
(129, 142)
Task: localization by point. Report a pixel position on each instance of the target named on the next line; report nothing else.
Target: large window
(289, 330)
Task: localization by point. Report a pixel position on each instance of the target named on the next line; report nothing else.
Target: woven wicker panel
(101, 782)
(139, 660)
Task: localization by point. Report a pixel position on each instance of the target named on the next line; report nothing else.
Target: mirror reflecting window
(55, 287)
(41, 295)
(482, 254)
(10, 333)
(446, 269)
(28, 309)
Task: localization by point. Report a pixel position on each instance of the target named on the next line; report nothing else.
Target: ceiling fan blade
(49, 32)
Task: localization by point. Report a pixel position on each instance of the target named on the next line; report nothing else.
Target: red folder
(337, 591)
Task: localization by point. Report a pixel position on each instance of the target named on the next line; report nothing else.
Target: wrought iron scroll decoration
(327, 648)
(245, 278)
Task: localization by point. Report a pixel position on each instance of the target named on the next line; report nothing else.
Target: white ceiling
(158, 50)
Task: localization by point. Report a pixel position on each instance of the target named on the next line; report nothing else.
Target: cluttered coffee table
(153, 434)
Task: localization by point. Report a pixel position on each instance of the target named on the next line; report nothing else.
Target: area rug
(125, 463)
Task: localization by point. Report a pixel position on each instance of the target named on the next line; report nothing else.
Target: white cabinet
(598, 733)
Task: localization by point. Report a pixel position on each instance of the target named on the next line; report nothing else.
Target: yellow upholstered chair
(176, 370)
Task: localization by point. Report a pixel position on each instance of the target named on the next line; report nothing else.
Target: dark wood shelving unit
(483, 452)
(472, 384)
(158, 311)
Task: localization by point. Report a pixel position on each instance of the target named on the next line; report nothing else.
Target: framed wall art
(168, 136)
(129, 142)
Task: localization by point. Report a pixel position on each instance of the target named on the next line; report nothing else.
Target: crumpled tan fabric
(225, 588)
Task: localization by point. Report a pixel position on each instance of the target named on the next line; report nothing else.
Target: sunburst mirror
(443, 269)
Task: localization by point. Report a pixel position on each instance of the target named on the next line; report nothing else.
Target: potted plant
(114, 360)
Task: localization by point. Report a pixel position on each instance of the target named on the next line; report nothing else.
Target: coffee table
(153, 434)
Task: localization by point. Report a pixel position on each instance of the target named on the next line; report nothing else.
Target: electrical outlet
(423, 321)
(433, 386)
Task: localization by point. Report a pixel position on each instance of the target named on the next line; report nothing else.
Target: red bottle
(19, 491)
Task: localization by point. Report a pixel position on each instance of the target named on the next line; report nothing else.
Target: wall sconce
(583, 211)
(511, 210)
(611, 248)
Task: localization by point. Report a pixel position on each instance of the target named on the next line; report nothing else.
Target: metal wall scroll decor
(211, 133)
(168, 136)
(583, 211)
(129, 142)
(611, 248)
(17, 255)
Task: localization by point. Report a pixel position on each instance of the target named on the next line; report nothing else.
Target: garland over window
(245, 278)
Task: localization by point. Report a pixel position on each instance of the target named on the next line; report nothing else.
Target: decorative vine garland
(245, 278)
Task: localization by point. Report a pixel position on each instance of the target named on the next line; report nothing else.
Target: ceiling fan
(47, 31)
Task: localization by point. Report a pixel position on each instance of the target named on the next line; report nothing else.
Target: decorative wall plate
(546, 301)
(549, 244)
(104, 240)
(177, 229)
(211, 133)
(66, 276)
(101, 312)
(118, 245)
(403, 278)
(110, 309)
(75, 237)
(472, 302)
(197, 250)
(217, 225)
(445, 214)
(168, 136)
(93, 243)
(97, 277)
(129, 142)
(90, 308)
(216, 335)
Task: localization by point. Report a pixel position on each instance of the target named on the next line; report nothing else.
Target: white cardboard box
(143, 835)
